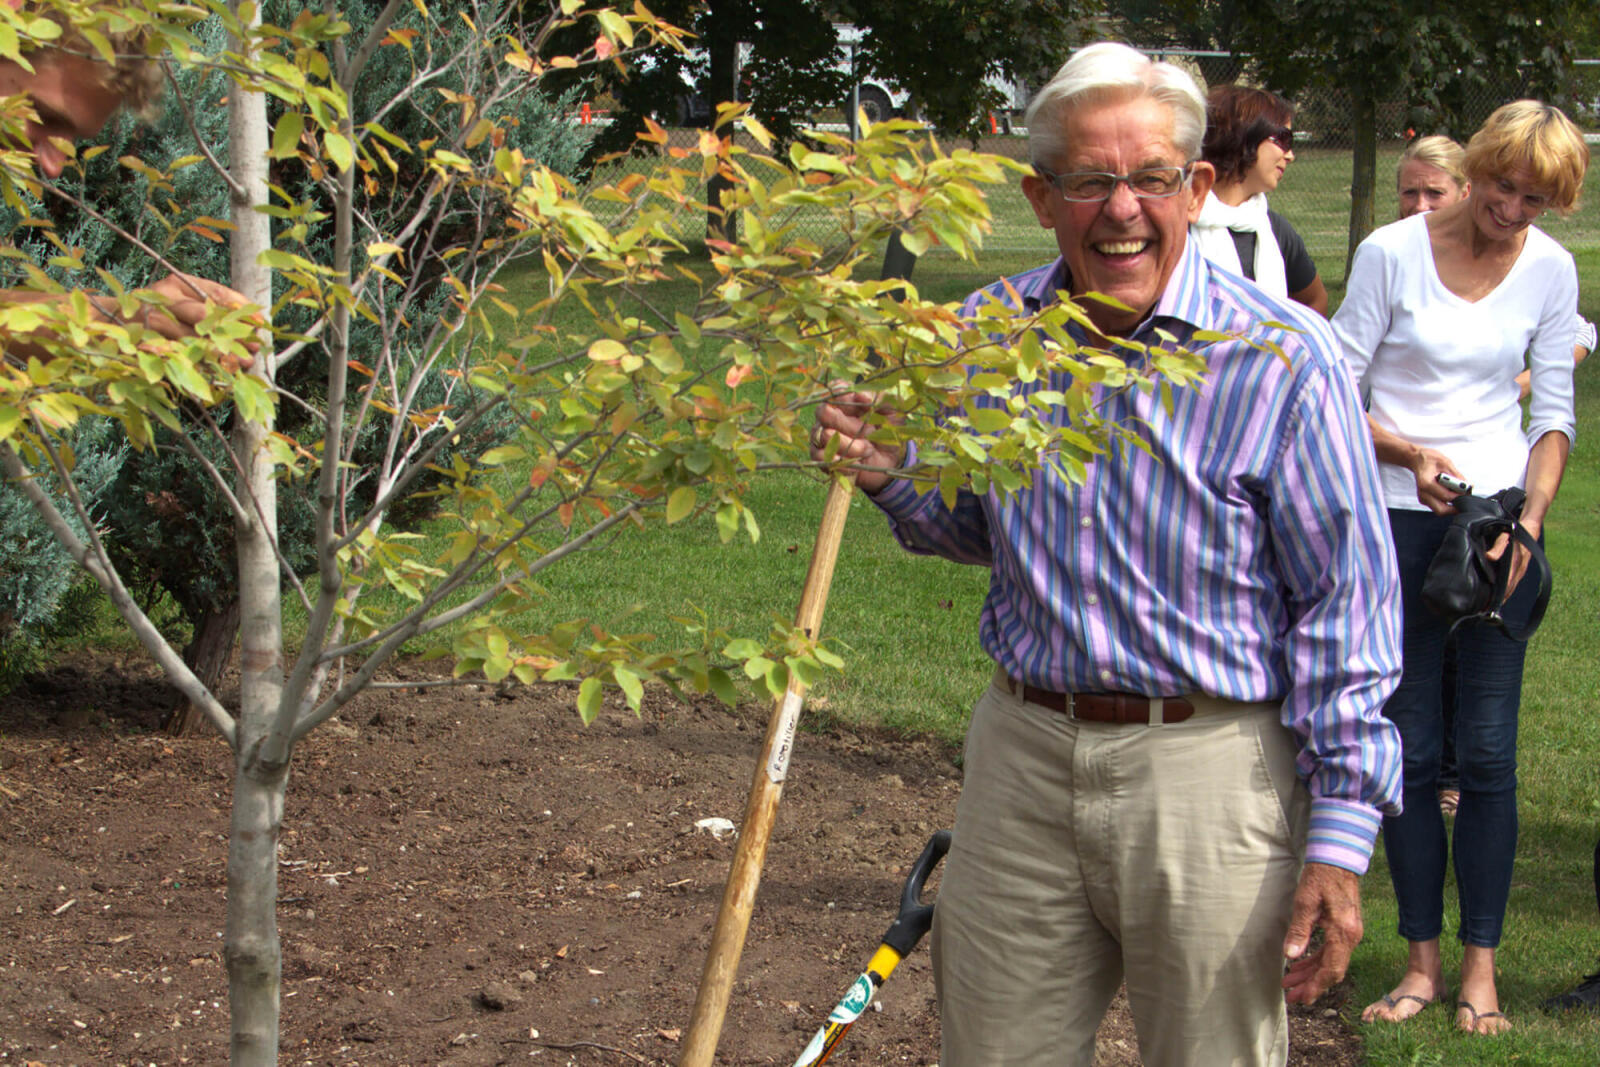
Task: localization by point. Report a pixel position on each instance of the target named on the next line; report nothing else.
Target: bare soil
(467, 877)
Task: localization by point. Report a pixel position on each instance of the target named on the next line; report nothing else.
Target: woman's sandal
(1477, 1016)
(1392, 1001)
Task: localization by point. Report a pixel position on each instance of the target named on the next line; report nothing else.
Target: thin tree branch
(94, 561)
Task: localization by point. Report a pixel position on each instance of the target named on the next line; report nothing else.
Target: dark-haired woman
(1250, 141)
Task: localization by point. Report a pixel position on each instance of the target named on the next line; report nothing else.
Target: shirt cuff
(1342, 833)
(900, 499)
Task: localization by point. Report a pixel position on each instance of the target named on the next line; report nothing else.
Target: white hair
(1110, 72)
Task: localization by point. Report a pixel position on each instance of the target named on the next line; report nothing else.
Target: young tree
(626, 410)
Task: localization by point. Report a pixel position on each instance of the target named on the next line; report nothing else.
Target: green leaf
(723, 687)
(339, 150)
(615, 26)
(743, 648)
(915, 241)
(632, 687)
(990, 420)
(589, 694)
(286, 135)
(504, 454)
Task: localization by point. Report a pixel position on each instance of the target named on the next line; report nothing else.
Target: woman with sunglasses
(1250, 141)
(1440, 311)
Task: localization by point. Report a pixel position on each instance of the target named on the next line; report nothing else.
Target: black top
(1298, 270)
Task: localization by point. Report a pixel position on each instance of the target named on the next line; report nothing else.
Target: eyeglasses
(1090, 186)
(1283, 137)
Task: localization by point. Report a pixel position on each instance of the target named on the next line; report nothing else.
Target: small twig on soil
(634, 1056)
(9, 793)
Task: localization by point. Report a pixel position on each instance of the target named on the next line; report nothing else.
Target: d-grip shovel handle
(907, 929)
(915, 917)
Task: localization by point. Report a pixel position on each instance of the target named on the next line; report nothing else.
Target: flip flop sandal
(1393, 1002)
(1472, 1027)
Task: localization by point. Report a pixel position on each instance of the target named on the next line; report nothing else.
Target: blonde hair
(1439, 152)
(1534, 137)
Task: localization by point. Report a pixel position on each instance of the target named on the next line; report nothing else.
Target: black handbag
(1463, 584)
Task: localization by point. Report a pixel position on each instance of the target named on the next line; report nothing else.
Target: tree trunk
(207, 656)
(1363, 168)
(261, 761)
(724, 54)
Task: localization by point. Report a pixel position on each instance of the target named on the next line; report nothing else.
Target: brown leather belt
(1108, 707)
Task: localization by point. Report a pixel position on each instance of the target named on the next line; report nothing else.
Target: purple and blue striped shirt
(1247, 556)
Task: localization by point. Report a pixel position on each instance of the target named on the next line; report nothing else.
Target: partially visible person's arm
(184, 300)
(1313, 296)
(1582, 344)
(1342, 647)
(1343, 654)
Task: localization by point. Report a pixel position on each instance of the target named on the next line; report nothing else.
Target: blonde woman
(1439, 311)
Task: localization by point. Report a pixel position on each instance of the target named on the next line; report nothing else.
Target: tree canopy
(940, 51)
(1449, 62)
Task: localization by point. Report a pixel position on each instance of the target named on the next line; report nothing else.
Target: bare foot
(1473, 1021)
(1414, 993)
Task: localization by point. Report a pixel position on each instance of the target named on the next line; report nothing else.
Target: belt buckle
(1072, 706)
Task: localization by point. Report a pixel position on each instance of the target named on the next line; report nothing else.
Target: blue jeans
(1488, 688)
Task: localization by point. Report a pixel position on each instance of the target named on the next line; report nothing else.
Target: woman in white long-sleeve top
(1440, 310)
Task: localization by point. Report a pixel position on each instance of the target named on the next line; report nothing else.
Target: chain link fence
(1315, 192)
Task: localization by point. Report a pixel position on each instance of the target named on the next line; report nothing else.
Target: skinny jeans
(1488, 693)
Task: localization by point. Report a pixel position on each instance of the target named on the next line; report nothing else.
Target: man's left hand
(1329, 897)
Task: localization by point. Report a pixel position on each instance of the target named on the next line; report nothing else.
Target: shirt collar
(1181, 309)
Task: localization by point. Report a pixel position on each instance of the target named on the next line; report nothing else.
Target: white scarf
(1212, 230)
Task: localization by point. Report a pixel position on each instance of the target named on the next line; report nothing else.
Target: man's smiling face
(70, 95)
(1127, 246)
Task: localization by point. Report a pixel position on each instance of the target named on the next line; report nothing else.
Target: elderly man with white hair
(1179, 768)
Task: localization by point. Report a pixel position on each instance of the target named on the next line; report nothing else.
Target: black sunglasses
(1283, 137)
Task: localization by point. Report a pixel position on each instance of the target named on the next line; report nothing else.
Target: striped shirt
(1247, 556)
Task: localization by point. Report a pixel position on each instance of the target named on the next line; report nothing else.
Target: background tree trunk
(207, 656)
(1363, 168)
(723, 50)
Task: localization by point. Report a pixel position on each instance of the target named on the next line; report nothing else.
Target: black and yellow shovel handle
(849, 1009)
(909, 927)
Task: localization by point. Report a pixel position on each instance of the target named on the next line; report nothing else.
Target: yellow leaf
(758, 131)
(680, 505)
(606, 350)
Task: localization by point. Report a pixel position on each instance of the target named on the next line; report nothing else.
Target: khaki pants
(1088, 854)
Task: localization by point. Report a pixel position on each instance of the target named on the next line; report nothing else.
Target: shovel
(902, 936)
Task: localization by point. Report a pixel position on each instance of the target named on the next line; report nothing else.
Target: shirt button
(1092, 600)
(1085, 522)
(1105, 676)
